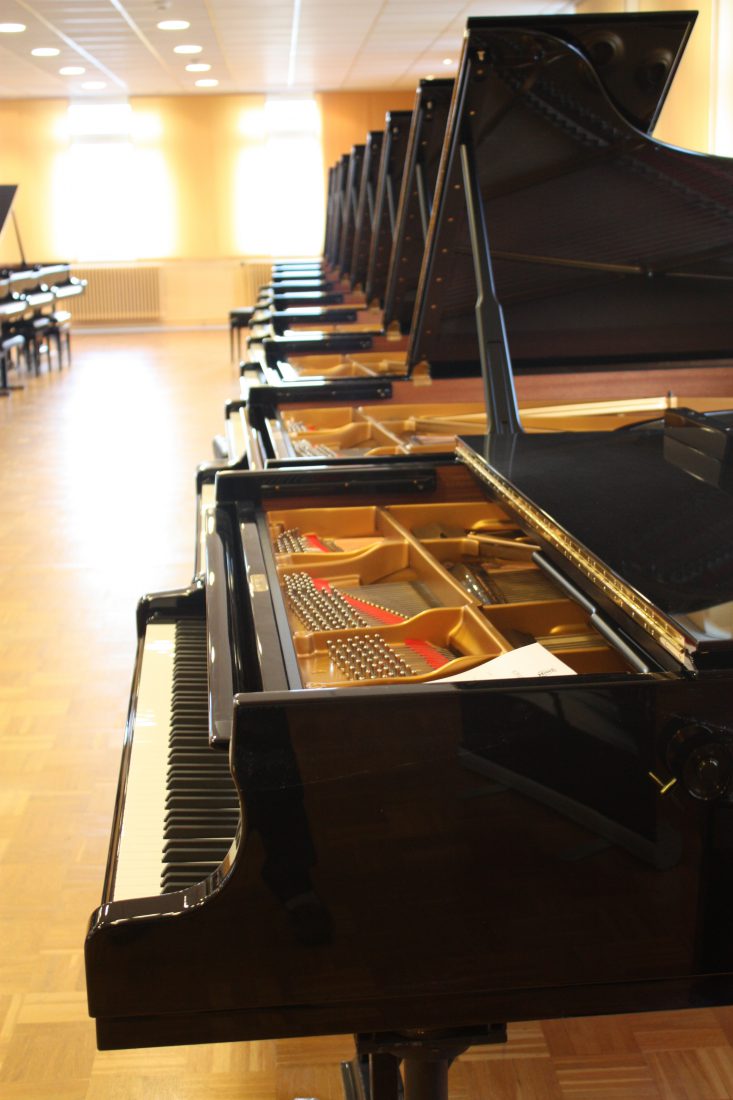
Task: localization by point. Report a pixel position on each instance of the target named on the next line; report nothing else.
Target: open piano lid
(416, 194)
(391, 168)
(365, 209)
(341, 172)
(600, 244)
(7, 194)
(590, 243)
(350, 204)
(644, 537)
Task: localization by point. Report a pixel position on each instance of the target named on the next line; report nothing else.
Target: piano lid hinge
(612, 587)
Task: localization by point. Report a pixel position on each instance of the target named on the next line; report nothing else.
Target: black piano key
(183, 853)
(195, 831)
(186, 874)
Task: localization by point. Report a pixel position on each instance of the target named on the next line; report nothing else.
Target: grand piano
(364, 223)
(434, 746)
(352, 257)
(397, 130)
(405, 187)
(576, 375)
(30, 294)
(304, 293)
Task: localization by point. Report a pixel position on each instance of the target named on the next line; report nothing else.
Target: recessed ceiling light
(174, 25)
(45, 51)
(72, 70)
(93, 85)
(447, 60)
(187, 49)
(208, 83)
(430, 76)
(198, 67)
(12, 28)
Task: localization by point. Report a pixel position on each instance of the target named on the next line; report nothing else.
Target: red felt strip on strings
(427, 651)
(387, 618)
(315, 543)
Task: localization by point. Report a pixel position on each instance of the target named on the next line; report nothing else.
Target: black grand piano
(364, 222)
(435, 746)
(351, 195)
(395, 147)
(32, 297)
(406, 181)
(352, 258)
(567, 378)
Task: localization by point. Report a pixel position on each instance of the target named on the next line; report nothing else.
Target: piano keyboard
(181, 808)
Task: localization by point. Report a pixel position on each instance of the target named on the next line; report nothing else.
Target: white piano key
(140, 854)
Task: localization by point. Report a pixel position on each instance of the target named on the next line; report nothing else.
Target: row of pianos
(440, 736)
(33, 307)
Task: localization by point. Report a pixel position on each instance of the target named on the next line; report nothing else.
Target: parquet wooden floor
(97, 502)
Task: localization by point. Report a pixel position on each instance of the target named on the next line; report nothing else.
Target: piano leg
(372, 1077)
(426, 1057)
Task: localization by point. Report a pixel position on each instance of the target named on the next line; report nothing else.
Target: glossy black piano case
(428, 854)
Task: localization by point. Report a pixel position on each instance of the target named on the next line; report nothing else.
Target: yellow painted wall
(687, 114)
(200, 140)
(348, 116)
(199, 137)
(723, 116)
(28, 148)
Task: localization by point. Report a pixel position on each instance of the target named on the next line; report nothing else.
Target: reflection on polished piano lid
(639, 527)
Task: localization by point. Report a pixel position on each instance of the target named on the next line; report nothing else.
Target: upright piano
(430, 746)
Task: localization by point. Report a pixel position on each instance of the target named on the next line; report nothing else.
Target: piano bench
(10, 345)
(37, 337)
(59, 331)
(23, 343)
(238, 319)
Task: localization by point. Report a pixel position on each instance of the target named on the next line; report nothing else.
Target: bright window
(279, 193)
(113, 198)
